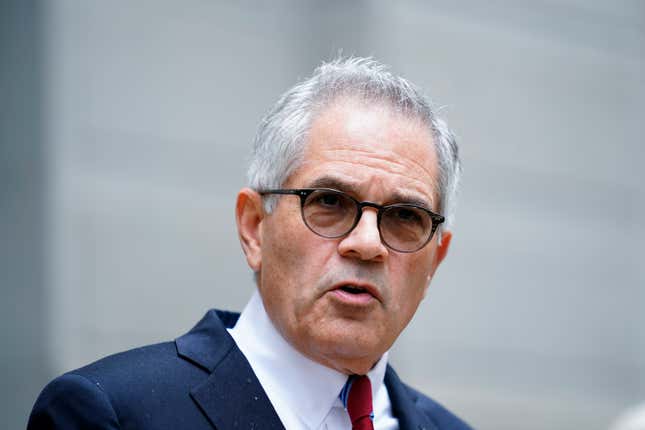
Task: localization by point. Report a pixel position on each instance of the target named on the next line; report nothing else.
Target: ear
(249, 214)
(442, 248)
(439, 254)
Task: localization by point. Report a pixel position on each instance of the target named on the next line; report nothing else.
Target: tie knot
(359, 403)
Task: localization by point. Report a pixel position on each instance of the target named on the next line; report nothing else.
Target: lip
(369, 292)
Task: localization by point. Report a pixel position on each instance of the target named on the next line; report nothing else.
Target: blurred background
(124, 136)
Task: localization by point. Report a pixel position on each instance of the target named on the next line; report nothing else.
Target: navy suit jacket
(199, 381)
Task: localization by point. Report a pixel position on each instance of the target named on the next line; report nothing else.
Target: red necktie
(359, 404)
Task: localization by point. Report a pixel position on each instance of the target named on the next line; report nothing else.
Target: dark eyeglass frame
(304, 193)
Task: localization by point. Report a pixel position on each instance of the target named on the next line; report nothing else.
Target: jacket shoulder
(72, 401)
(133, 387)
(436, 412)
(146, 387)
(137, 362)
(416, 410)
(147, 377)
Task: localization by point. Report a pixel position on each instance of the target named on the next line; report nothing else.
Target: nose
(364, 241)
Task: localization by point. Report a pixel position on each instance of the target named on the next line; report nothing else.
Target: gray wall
(119, 189)
(24, 362)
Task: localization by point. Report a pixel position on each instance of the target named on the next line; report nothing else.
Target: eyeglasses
(332, 214)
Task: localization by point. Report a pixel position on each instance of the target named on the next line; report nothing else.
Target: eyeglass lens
(333, 214)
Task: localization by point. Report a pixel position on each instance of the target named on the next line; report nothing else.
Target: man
(341, 225)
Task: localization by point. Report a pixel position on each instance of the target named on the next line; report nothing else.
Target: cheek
(411, 282)
(279, 260)
(280, 239)
(292, 263)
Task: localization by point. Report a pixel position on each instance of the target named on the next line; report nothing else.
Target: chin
(344, 350)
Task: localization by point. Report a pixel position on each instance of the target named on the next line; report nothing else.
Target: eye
(328, 199)
(407, 215)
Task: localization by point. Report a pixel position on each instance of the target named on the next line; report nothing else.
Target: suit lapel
(231, 396)
(404, 405)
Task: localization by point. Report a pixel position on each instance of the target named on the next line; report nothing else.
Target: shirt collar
(287, 376)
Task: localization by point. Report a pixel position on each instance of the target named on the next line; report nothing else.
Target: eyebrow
(350, 188)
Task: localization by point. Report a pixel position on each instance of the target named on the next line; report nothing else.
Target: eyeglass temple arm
(296, 192)
(279, 191)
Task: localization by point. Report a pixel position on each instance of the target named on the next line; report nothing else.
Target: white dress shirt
(304, 394)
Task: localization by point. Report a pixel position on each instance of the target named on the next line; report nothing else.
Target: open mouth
(353, 289)
(352, 293)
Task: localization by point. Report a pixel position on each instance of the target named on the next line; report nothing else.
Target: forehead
(376, 151)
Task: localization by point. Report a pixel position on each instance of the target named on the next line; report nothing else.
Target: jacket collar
(231, 396)
(404, 404)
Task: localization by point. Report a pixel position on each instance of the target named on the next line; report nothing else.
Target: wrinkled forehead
(364, 145)
(352, 116)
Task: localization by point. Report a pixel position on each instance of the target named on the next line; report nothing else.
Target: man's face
(373, 154)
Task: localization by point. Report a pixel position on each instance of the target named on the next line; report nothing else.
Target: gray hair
(280, 140)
